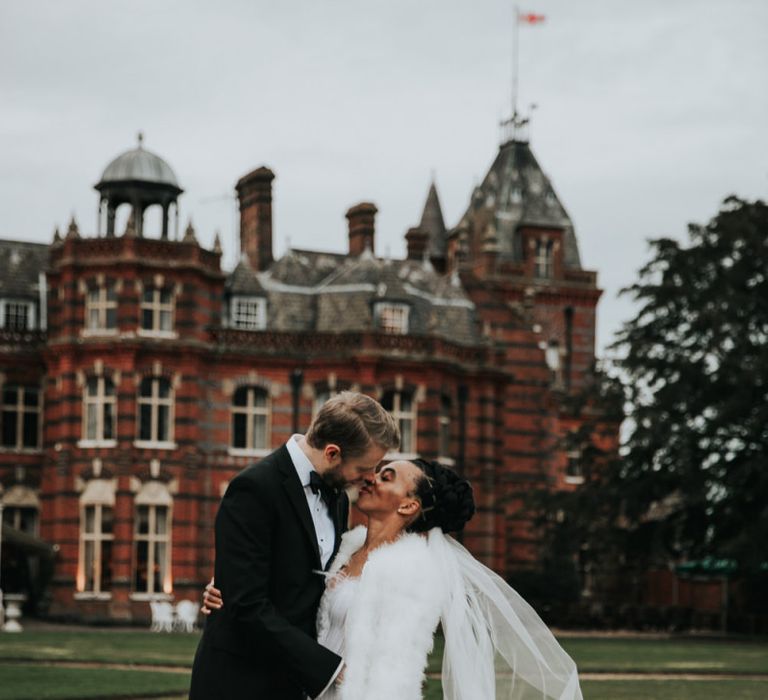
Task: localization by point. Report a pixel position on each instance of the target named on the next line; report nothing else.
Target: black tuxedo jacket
(261, 645)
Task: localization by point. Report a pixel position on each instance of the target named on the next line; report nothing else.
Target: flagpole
(515, 60)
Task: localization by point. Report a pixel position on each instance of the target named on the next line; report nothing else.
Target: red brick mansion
(137, 376)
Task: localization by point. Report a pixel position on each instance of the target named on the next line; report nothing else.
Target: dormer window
(249, 313)
(391, 318)
(17, 315)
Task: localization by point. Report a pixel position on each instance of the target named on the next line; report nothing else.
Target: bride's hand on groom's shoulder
(212, 599)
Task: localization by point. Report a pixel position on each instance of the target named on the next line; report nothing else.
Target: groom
(279, 523)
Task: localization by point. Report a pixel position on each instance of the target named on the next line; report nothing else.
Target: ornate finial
(73, 231)
(217, 243)
(189, 233)
(140, 136)
(56, 235)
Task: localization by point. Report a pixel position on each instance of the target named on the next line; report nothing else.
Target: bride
(395, 580)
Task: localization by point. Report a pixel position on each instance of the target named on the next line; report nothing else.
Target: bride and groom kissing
(304, 608)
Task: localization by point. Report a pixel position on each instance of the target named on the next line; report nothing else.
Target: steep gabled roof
(515, 192)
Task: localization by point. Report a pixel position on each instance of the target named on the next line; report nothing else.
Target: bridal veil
(496, 646)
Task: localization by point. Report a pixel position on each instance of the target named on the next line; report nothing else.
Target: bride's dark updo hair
(446, 499)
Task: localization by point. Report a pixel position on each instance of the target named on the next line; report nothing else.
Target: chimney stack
(361, 227)
(254, 192)
(417, 239)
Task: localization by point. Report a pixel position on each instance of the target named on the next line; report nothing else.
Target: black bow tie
(316, 483)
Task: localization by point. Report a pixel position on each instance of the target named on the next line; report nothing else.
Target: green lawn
(35, 682)
(21, 681)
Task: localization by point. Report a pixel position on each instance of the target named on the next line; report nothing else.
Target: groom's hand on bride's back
(212, 599)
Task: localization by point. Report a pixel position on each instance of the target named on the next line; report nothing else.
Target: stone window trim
(248, 313)
(97, 503)
(153, 506)
(101, 307)
(17, 314)
(21, 509)
(402, 401)
(150, 398)
(22, 404)
(99, 410)
(391, 316)
(157, 308)
(251, 424)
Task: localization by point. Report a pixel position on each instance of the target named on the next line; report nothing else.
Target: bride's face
(390, 490)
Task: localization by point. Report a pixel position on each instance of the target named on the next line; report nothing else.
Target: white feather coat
(390, 626)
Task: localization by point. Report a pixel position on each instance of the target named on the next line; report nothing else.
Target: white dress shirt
(321, 518)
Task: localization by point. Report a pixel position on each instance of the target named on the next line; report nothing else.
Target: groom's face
(352, 471)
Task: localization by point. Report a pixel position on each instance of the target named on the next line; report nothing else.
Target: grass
(35, 682)
(20, 680)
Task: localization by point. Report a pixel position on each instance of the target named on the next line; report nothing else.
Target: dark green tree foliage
(695, 358)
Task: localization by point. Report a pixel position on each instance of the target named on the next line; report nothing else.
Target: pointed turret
(432, 222)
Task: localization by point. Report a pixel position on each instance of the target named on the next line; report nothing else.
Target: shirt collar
(300, 460)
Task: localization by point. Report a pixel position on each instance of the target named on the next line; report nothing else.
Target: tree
(695, 359)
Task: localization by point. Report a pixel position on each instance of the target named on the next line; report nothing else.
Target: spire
(73, 231)
(189, 233)
(433, 223)
(130, 226)
(217, 243)
(56, 235)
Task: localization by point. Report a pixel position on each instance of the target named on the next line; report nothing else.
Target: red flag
(530, 18)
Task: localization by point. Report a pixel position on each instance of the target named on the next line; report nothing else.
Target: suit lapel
(298, 500)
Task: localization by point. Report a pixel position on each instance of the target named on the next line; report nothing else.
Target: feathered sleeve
(390, 626)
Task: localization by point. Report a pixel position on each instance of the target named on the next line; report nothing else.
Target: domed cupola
(140, 179)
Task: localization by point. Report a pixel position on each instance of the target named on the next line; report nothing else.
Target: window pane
(93, 296)
(259, 432)
(238, 430)
(111, 293)
(387, 400)
(93, 318)
(406, 438)
(140, 574)
(106, 565)
(165, 321)
(142, 520)
(111, 318)
(406, 403)
(8, 516)
(109, 421)
(30, 429)
(28, 520)
(165, 296)
(158, 568)
(92, 386)
(145, 388)
(146, 319)
(89, 524)
(149, 295)
(161, 520)
(145, 422)
(109, 387)
(91, 414)
(10, 422)
(163, 417)
(89, 565)
(10, 395)
(107, 520)
(30, 397)
(164, 388)
(241, 397)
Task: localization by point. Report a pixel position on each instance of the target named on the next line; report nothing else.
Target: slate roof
(515, 193)
(327, 292)
(20, 266)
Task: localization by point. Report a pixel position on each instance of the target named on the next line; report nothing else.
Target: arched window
(402, 406)
(250, 418)
(99, 410)
(97, 504)
(20, 417)
(152, 540)
(155, 410)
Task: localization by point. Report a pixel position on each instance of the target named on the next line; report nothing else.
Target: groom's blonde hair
(355, 422)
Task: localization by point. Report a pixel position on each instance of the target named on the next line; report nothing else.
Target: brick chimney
(361, 227)
(254, 192)
(416, 239)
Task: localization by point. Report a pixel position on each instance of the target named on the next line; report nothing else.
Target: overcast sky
(648, 113)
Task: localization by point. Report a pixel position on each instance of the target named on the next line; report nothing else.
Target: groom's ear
(332, 453)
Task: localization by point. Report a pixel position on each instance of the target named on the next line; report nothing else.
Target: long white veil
(496, 646)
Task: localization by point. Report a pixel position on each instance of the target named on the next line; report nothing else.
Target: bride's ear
(409, 508)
